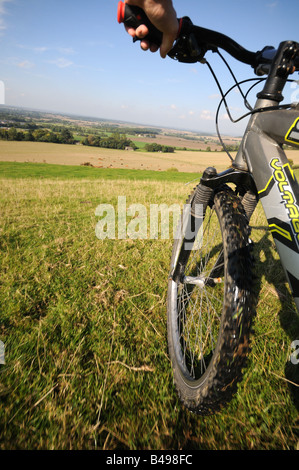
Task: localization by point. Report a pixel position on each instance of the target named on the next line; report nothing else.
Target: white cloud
(62, 63)
(38, 49)
(17, 62)
(66, 50)
(215, 96)
(25, 64)
(206, 115)
(225, 117)
(3, 26)
(173, 80)
(42, 49)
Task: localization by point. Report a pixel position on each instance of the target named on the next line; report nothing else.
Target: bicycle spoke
(199, 300)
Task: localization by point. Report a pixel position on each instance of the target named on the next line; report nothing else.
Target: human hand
(163, 16)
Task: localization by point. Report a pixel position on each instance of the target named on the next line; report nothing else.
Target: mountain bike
(211, 290)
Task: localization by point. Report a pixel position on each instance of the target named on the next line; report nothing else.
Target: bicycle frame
(262, 167)
(262, 155)
(261, 164)
(208, 347)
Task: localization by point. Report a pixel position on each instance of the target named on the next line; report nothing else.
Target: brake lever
(185, 49)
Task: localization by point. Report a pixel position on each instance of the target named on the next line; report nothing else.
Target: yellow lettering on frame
(275, 160)
(288, 196)
(293, 211)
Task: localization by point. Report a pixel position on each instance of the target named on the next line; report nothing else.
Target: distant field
(76, 155)
(183, 161)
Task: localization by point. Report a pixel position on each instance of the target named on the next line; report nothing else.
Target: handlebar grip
(133, 17)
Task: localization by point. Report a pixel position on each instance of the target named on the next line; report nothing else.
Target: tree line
(65, 136)
(114, 141)
(38, 135)
(159, 148)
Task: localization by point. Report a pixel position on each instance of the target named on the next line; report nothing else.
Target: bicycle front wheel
(210, 307)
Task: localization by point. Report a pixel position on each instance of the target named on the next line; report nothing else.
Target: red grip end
(121, 12)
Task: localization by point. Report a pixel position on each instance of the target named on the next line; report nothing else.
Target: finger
(166, 45)
(131, 31)
(144, 45)
(132, 2)
(154, 48)
(142, 31)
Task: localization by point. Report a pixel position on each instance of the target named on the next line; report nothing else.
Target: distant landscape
(31, 121)
(42, 137)
(83, 319)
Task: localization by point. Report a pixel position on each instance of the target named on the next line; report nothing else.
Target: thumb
(166, 45)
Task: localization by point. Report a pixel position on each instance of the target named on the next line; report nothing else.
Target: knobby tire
(209, 325)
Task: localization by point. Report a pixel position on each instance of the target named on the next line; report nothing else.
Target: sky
(73, 57)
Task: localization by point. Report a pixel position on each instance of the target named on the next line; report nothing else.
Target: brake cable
(246, 103)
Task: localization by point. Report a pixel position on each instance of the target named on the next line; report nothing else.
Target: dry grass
(84, 325)
(106, 158)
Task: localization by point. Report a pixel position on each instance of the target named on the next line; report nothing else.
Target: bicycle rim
(210, 307)
(198, 301)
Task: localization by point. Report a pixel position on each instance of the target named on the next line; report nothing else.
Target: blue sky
(72, 56)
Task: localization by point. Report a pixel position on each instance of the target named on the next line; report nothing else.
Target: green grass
(84, 326)
(49, 171)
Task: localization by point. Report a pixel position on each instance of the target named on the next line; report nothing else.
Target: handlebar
(194, 41)
(133, 17)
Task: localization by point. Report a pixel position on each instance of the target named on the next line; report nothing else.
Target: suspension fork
(210, 182)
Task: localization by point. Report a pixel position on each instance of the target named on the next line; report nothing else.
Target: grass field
(40, 152)
(83, 321)
(74, 155)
